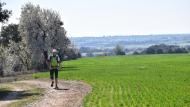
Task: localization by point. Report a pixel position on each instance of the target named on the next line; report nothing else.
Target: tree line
(164, 49)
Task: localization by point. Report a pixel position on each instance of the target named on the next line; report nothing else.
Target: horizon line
(132, 35)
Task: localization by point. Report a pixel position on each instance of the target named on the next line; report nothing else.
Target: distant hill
(131, 42)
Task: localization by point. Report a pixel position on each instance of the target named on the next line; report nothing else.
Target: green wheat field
(132, 81)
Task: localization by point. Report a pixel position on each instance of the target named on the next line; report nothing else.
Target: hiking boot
(56, 87)
(52, 84)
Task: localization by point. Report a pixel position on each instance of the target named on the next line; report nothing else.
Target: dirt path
(69, 94)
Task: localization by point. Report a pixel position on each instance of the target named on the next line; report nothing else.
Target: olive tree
(41, 30)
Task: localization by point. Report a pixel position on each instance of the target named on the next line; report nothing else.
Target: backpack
(54, 61)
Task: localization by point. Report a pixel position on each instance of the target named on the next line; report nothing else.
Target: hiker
(54, 62)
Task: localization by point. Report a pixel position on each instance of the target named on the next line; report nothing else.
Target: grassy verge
(4, 91)
(25, 97)
(28, 97)
(16, 78)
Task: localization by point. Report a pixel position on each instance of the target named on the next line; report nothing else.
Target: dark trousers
(54, 72)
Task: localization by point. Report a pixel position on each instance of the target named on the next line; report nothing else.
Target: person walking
(54, 63)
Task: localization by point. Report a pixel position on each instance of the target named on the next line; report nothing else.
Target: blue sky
(115, 17)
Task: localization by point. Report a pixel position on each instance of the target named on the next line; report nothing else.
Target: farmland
(136, 80)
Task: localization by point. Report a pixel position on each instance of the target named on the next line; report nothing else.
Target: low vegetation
(28, 97)
(19, 94)
(121, 81)
(4, 91)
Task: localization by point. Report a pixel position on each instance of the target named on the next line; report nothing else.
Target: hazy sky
(115, 17)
